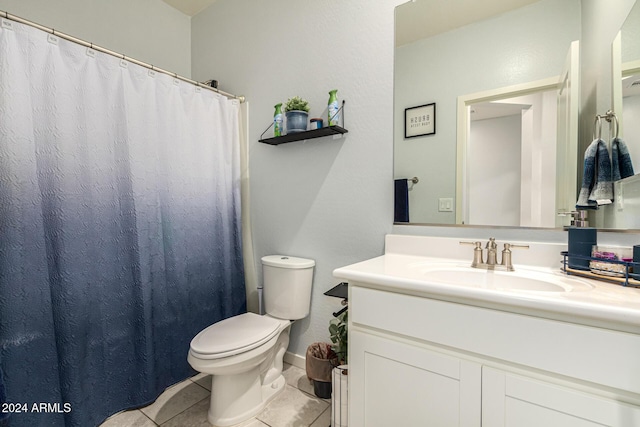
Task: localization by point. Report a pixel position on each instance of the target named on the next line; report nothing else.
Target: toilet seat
(234, 335)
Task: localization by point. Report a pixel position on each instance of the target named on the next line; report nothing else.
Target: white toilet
(244, 353)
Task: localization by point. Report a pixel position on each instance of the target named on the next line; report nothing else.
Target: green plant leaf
(296, 104)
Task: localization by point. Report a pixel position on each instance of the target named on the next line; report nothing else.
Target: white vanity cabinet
(416, 360)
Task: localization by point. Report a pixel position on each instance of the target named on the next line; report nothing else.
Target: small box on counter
(606, 254)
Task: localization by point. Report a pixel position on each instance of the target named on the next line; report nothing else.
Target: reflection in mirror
(630, 114)
(630, 48)
(530, 156)
(512, 142)
(525, 42)
(626, 104)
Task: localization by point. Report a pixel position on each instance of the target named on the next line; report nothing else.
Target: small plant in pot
(297, 113)
(338, 335)
(338, 331)
(319, 363)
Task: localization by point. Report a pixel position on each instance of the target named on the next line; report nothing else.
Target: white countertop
(588, 302)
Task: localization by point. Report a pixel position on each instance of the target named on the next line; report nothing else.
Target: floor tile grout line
(149, 418)
(294, 386)
(202, 387)
(328, 408)
(159, 425)
(316, 397)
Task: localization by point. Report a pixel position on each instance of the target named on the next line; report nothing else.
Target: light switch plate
(445, 205)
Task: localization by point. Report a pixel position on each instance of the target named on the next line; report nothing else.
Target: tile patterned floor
(185, 405)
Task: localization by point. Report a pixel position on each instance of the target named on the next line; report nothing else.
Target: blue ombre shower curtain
(119, 228)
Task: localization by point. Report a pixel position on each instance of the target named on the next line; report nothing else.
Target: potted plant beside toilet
(338, 332)
(320, 360)
(297, 114)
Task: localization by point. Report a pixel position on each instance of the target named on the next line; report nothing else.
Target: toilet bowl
(244, 354)
(243, 349)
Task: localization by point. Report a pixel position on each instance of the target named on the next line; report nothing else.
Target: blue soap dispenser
(581, 240)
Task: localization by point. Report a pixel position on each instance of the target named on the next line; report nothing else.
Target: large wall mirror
(504, 150)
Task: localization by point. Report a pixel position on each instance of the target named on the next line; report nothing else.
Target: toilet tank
(287, 286)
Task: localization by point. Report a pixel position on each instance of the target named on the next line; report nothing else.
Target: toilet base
(236, 398)
(244, 383)
(241, 394)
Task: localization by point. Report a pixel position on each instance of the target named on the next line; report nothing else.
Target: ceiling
(419, 19)
(631, 85)
(415, 20)
(189, 7)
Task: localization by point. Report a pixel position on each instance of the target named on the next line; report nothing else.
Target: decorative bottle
(334, 115)
(277, 120)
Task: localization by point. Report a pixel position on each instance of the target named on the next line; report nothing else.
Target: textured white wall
(325, 199)
(147, 30)
(524, 45)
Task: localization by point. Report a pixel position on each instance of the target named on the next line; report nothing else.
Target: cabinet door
(510, 400)
(392, 383)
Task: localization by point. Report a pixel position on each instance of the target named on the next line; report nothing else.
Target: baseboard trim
(295, 360)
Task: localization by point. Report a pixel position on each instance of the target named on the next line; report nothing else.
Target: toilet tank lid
(284, 261)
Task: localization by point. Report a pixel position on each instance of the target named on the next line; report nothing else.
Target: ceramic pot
(297, 121)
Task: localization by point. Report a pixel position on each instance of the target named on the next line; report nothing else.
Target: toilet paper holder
(341, 290)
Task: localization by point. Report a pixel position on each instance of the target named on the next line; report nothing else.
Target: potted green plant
(338, 334)
(297, 113)
(338, 331)
(319, 364)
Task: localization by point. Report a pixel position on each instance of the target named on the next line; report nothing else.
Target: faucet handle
(506, 254)
(508, 246)
(477, 252)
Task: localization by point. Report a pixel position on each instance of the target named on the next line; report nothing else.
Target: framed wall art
(420, 121)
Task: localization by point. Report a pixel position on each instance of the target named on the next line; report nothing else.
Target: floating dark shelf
(341, 290)
(309, 134)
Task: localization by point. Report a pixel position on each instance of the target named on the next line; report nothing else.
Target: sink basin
(523, 281)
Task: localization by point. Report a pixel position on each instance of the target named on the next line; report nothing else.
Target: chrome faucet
(492, 258)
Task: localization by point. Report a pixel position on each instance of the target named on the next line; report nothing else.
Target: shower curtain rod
(7, 15)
